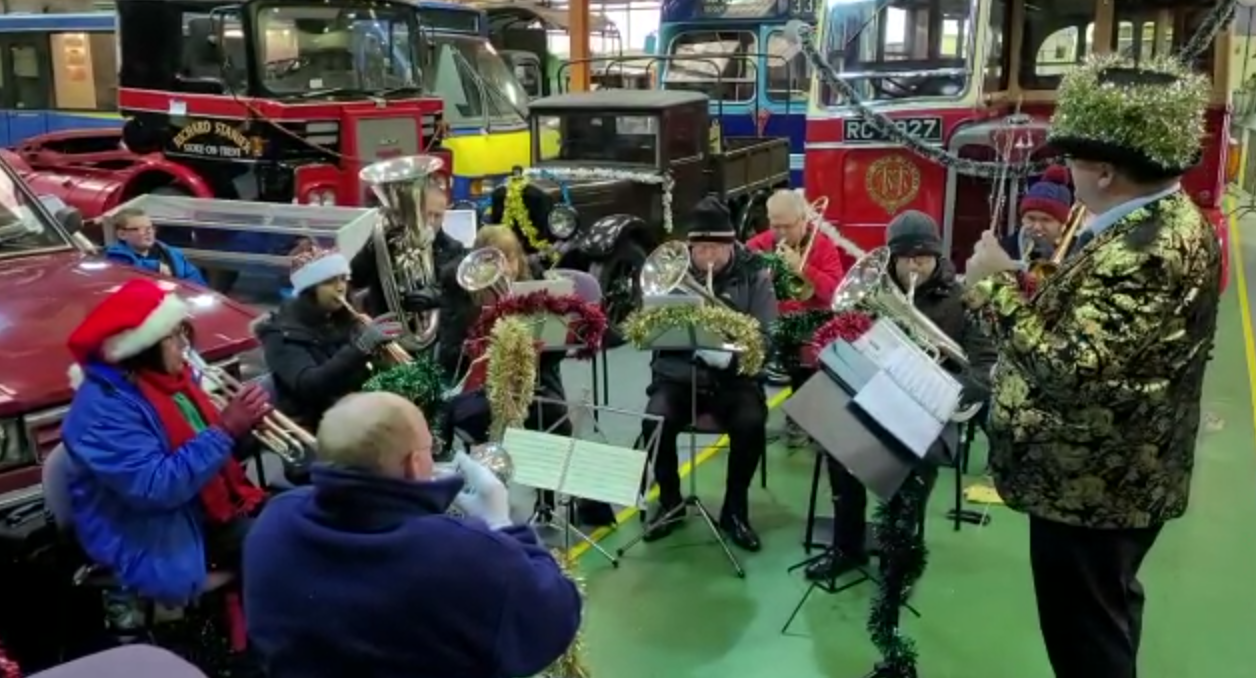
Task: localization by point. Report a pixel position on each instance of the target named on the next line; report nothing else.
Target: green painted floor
(674, 609)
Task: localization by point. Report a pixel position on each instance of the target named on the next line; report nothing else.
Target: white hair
(371, 432)
(789, 202)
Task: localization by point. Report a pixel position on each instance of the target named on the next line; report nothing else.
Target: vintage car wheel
(620, 278)
(753, 219)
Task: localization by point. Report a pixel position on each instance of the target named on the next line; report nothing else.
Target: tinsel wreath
(846, 326)
(736, 328)
(588, 328)
(515, 216)
(572, 663)
(794, 330)
(8, 667)
(903, 554)
(421, 381)
(510, 382)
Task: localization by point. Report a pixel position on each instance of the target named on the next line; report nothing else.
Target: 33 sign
(860, 131)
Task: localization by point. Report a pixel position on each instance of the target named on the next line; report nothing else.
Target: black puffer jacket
(312, 358)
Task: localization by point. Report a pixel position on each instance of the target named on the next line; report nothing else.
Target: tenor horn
(667, 270)
(403, 240)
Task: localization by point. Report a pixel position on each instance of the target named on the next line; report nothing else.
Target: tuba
(666, 271)
(403, 240)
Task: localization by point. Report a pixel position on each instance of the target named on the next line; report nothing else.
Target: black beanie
(710, 222)
(913, 233)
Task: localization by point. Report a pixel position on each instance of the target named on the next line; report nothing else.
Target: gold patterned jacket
(1096, 400)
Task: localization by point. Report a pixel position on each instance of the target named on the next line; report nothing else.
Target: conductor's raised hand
(245, 411)
(483, 496)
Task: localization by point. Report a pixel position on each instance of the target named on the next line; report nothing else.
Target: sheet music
(540, 459)
(607, 473)
(925, 381)
(895, 410)
(461, 226)
(880, 342)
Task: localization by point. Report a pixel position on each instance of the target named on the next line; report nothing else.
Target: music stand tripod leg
(693, 500)
(569, 529)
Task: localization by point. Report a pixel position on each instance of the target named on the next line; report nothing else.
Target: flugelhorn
(277, 432)
(392, 349)
(667, 270)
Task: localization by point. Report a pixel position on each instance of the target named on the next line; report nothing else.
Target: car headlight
(563, 221)
(13, 450)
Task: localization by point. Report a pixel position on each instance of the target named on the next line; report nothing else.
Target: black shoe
(595, 514)
(740, 533)
(831, 566)
(657, 528)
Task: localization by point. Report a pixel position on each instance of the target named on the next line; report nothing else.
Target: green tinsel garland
(785, 282)
(421, 382)
(903, 554)
(792, 330)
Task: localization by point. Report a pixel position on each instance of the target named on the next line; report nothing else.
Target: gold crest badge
(892, 182)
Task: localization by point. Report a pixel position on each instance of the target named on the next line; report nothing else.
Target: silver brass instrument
(484, 270)
(667, 270)
(403, 245)
(277, 432)
(869, 286)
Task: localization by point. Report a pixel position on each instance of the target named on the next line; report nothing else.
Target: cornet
(484, 270)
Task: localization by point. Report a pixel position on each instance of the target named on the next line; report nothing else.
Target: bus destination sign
(925, 128)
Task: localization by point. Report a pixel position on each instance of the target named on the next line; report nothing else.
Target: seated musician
(792, 234)
(364, 573)
(446, 251)
(736, 401)
(316, 349)
(916, 247)
(138, 246)
(156, 494)
(460, 311)
(1044, 213)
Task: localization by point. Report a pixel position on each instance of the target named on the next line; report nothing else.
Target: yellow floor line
(1245, 312)
(628, 513)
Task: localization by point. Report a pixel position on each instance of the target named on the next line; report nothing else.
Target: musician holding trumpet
(157, 496)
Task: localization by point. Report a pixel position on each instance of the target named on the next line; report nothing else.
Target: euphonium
(403, 246)
(667, 270)
(277, 432)
(1044, 268)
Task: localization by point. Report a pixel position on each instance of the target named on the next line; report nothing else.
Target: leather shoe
(657, 528)
(740, 533)
(833, 565)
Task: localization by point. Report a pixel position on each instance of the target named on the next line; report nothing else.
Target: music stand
(690, 339)
(580, 469)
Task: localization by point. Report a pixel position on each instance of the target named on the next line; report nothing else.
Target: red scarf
(229, 494)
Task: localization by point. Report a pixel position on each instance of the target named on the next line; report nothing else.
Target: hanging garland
(662, 179)
(792, 331)
(587, 329)
(897, 530)
(515, 216)
(421, 382)
(510, 381)
(572, 663)
(736, 328)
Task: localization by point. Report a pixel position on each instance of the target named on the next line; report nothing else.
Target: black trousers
(1090, 602)
(740, 408)
(470, 413)
(224, 544)
(850, 505)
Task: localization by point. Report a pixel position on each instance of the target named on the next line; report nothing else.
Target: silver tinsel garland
(662, 179)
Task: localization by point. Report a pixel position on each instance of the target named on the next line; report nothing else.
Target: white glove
(483, 496)
(716, 359)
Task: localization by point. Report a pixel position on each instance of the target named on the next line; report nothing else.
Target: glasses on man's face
(142, 230)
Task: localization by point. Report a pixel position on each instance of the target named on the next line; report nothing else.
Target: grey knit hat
(913, 233)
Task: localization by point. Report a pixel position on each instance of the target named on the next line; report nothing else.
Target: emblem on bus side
(892, 182)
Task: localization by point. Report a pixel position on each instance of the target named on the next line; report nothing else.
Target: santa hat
(128, 322)
(1050, 195)
(710, 222)
(315, 267)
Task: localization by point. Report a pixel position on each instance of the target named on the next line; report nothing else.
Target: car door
(25, 86)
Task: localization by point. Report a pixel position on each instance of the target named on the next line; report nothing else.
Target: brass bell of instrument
(494, 457)
(667, 270)
(484, 269)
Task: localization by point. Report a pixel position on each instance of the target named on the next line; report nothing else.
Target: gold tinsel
(1163, 121)
(571, 664)
(511, 373)
(736, 328)
(515, 215)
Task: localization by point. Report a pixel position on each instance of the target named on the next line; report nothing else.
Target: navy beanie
(913, 233)
(1050, 195)
(710, 222)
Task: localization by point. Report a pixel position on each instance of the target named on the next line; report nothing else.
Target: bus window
(1161, 31)
(787, 80)
(714, 62)
(30, 83)
(477, 86)
(900, 48)
(1055, 37)
(998, 50)
(84, 71)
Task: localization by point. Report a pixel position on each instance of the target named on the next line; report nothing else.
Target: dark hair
(150, 359)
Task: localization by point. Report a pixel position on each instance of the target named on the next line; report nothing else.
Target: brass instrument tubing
(275, 423)
(392, 348)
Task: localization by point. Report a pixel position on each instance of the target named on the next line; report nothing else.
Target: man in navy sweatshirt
(363, 573)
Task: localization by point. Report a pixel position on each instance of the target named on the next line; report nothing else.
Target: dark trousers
(850, 505)
(470, 413)
(741, 410)
(1090, 602)
(224, 544)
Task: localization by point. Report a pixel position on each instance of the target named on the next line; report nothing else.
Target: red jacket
(823, 270)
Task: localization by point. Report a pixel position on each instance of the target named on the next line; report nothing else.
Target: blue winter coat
(359, 575)
(136, 506)
(180, 267)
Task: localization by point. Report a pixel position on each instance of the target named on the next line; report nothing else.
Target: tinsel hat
(1149, 118)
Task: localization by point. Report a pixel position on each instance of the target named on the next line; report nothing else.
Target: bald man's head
(377, 432)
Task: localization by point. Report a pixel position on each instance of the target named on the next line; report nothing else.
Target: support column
(578, 34)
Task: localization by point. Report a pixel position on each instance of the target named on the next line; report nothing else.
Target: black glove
(421, 301)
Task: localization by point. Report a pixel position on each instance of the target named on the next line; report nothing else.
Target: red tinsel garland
(790, 306)
(587, 329)
(846, 326)
(8, 667)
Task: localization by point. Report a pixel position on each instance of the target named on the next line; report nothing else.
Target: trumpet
(392, 349)
(277, 432)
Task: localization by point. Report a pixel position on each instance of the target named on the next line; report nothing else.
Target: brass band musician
(1046, 213)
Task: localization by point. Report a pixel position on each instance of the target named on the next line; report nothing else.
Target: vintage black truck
(628, 168)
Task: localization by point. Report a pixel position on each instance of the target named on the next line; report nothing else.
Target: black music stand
(691, 339)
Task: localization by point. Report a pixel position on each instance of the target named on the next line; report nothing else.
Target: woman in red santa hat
(153, 479)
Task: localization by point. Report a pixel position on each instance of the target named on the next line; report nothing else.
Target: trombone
(277, 432)
(392, 349)
(814, 215)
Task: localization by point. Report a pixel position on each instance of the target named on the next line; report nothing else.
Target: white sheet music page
(897, 412)
(880, 342)
(925, 381)
(540, 459)
(606, 473)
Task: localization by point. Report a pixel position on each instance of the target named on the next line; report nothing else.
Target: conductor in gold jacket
(1096, 396)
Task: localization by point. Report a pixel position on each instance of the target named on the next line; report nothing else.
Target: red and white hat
(133, 319)
(316, 266)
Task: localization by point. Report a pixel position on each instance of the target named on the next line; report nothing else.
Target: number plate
(860, 131)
